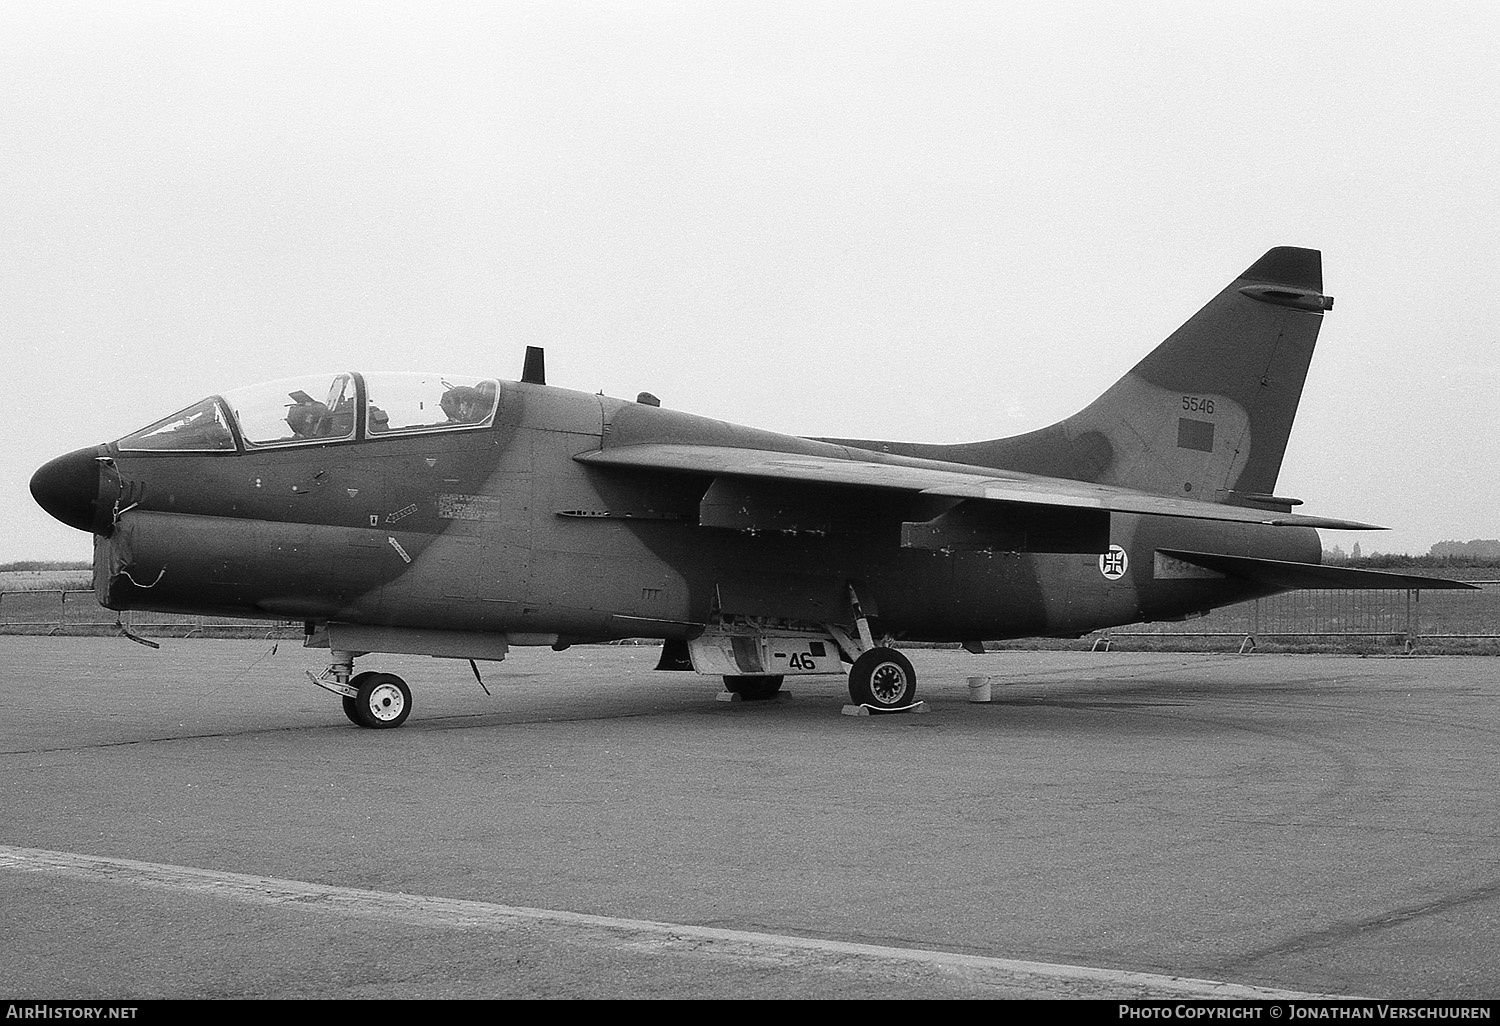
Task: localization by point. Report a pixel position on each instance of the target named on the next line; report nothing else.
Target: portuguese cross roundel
(1114, 563)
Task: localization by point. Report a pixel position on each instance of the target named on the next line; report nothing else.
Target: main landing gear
(753, 657)
(753, 688)
(379, 701)
(883, 678)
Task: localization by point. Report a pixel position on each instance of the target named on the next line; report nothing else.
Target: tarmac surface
(201, 822)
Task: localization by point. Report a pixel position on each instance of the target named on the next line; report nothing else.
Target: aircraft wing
(984, 485)
(1283, 574)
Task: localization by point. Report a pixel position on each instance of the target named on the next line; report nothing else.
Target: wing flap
(934, 478)
(1282, 574)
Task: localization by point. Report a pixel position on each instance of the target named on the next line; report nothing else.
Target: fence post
(1413, 619)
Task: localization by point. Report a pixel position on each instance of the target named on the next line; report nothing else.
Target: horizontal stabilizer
(1281, 574)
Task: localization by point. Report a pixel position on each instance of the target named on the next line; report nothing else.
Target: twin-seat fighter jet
(456, 516)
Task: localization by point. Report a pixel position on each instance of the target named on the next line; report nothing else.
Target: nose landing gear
(381, 701)
(378, 701)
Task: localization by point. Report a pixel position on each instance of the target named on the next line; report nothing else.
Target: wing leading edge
(982, 485)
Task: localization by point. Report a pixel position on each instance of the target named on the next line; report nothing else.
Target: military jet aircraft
(456, 516)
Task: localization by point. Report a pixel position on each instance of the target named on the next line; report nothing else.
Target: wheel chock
(875, 710)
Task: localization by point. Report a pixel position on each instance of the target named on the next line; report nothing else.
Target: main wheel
(753, 689)
(384, 701)
(883, 679)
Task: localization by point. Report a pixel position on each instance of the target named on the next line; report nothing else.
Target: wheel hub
(386, 702)
(888, 683)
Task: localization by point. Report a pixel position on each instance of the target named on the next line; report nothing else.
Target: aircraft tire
(753, 689)
(883, 678)
(383, 702)
(351, 706)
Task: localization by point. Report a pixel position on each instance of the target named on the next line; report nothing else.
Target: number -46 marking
(1197, 404)
(801, 661)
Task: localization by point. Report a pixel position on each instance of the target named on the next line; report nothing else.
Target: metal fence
(1409, 618)
(64, 612)
(1406, 618)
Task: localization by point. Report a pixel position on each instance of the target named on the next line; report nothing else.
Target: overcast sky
(930, 221)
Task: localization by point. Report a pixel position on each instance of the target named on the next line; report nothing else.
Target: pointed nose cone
(68, 488)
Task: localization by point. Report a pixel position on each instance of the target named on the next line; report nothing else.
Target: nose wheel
(381, 701)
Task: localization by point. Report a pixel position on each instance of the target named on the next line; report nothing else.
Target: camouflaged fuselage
(503, 530)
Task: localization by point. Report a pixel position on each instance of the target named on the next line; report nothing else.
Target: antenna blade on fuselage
(535, 370)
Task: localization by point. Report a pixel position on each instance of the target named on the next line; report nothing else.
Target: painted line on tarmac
(428, 911)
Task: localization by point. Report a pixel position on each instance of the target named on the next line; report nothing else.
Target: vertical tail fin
(1207, 413)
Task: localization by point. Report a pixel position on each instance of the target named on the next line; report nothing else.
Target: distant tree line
(41, 564)
(1484, 548)
(1479, 553)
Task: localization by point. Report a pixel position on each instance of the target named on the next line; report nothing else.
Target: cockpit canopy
(318, 409)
